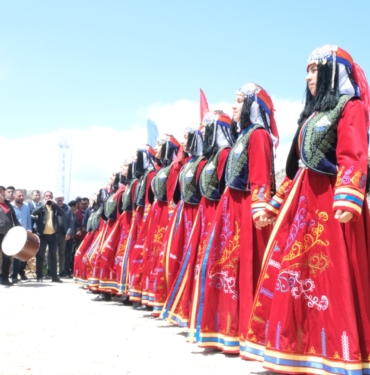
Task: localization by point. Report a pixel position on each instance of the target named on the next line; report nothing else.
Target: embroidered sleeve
(273, 207)
(352, 159)
(259, 155)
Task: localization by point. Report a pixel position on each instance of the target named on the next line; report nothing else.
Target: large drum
(20, 244)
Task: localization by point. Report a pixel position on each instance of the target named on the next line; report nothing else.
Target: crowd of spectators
(60, 227)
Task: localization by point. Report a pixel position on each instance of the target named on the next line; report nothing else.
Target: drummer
(8, 220)
(23, 214)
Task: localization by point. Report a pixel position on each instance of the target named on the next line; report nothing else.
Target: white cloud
(99, 151)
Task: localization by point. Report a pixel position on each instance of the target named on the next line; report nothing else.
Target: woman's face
(125, 169)
(157, 149)
(237, 107)
(203, 131)
(184, 141)
(311, 78)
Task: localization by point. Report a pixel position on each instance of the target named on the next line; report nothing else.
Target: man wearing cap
(47, 226)
(64, 232)
(8, 219)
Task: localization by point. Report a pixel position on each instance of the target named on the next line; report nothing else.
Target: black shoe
(24, 278)
(56, 280)
(6, 282)
(62, 274)
(40, 280)
(145, 308)
(15, 281)
(102, 297)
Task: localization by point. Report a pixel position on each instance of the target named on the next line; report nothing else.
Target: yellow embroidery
(258, 319)
(316, 262)
(266, 276)
(339, 176)
(336, 355)
(268, 344)
(258, 304)
(226, 254)
(312, 350)
(310, 240)
(356, 178)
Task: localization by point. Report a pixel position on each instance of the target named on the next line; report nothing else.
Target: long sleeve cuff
(348, 199)
(273, 207)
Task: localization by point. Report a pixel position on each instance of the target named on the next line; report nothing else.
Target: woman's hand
(264, 220)
(343, 216)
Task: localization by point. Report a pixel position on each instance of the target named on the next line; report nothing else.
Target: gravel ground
(56, 329)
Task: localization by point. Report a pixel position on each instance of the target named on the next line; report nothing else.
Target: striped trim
(272, 209)
(351, 191)
(229, 344)
(346, 197)
(346, 204)
(287, 362)
(257, 214)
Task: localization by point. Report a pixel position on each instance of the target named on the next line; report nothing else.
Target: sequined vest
(237, 168)
(159, 183)
(188, 180)
(141, 190)
(319, 142)
(110, 208)
(94, 220)
(127, 202)
(208, 180)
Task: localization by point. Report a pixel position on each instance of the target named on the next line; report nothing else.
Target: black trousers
(5, 267)
(49, 240)
(18, 268)
(68, 265)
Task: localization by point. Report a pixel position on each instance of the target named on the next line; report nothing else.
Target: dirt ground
(49, 328)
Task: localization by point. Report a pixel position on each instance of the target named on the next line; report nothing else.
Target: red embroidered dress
(311, 313)
(177, 233)
(163, 186)
(179, 300)
(233, 253)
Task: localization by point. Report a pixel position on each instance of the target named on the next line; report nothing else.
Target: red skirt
(153, 242)
(228, 274)
(175, 240)
(311, 312)
(136, 253)
(119, 268)
(79, 268)
(180, 297)
(94, 254)
(117, 239)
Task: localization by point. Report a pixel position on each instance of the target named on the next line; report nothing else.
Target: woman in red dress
(127, 262)
(178, 231)
(94, 225)
(234, 249)
(170, 154)
(311, 312)
(217, 142)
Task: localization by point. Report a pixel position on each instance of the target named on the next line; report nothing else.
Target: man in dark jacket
(47, 227)
(65, 232)
(8, 220)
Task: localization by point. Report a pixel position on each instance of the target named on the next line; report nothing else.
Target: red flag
(203, 105)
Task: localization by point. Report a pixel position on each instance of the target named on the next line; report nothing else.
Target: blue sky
(78, 64)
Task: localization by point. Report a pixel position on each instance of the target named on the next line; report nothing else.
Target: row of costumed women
(198, 234)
